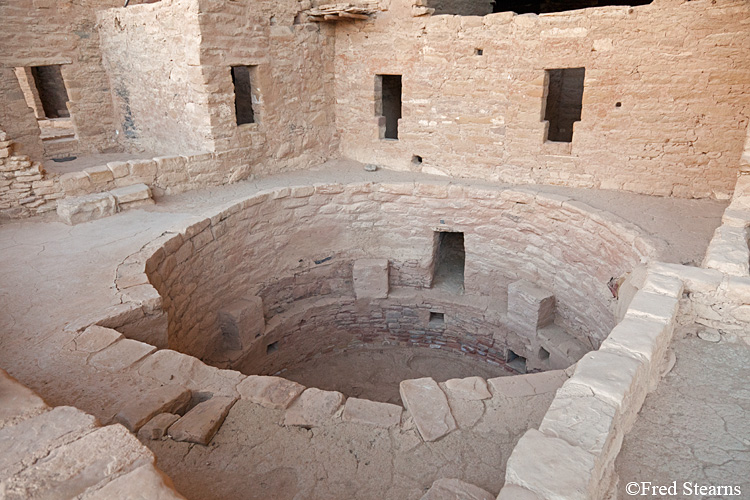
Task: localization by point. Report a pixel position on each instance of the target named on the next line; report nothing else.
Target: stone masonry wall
(45, 32)
(664, 105)
(151, 54)
(559, 244)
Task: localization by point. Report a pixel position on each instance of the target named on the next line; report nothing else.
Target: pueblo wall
(664, 104)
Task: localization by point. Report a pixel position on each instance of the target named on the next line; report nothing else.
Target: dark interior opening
(243, 94)
(416, 160)
(564, 102)
(450, 259)
(543, 354)
(272, 347)
(391, 104)
(437, 319)
(52, 93)
(544, 6)
(513, 360)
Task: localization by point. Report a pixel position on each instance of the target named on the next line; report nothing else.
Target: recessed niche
(449, 261)
(437, 319)
(543, 354)
(272, 347)
(478, 52)
(516, 362)
(416, 160)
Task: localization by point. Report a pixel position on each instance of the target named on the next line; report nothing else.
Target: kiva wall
(665, 103)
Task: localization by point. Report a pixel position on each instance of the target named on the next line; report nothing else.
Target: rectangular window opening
(563, 102)
(242, 78)
(449, 261)
(390, 105)
(50, 87)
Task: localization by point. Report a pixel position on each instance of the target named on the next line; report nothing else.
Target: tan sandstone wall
(45, 32)
(678, 70)
(175, 91)
(293, 244)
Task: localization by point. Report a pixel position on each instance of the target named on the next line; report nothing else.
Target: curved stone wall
(294, 248)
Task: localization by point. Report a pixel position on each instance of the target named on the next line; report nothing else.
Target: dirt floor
(694, 428)
(375, 372)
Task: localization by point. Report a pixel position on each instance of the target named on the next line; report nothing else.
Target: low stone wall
(573, 452)
(279, 245)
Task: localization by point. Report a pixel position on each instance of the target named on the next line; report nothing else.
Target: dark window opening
(545, 6)
(516, 362)
(390, 105)
(543, 354)
(449, 261)
(563, 103)
(242, 78)
(273, 347)
(618, 104)
(49, 84)
(437, 320)
(478, 52)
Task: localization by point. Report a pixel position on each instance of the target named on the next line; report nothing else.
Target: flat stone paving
(52, 274)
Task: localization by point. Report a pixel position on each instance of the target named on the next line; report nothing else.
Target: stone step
(200, 424)
(76, 210)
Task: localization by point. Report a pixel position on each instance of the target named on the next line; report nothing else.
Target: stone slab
(428, 407)
(513, 492)
(95, 338)
(585, 421)
(638, 337)
(371, 278)
(469, 388)
(455, 489)
(157, 427)
(17, 402)
(364, 411)
(201, 423)
(23, 444)
(100, 174)
(129, 194)
(528, 385)
(70, 470)
(551, 468)
(121, 355)
(171, 367)
(663, 285)
(165, 399)
(653, 306)
(144, 483)
(86, 208)
(275, 393)
(314, 408)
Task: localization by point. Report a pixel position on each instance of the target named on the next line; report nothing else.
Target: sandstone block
(95, 338)
(428, 407)
(695, 279)
(23, 444)
(455, 489)
(242, 322)
(157, 427)
(271, 392)
(530, 307)
(119, 169)
(165, 399)
(142, 168)
(513, 492)
(171, 367)
(314, 408)
(364, 411)
(201, 423)
(371, 278)
(100, 174)
(551, 468)
(469, 388)
(70, 470)
(19, 402)
(86, 208)
(652, 306)
(663, 285)
(584, 421)
(74, 183)
(639, 338)
(145, 482)
(529, 384)
(130, 194)
(120, 355)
